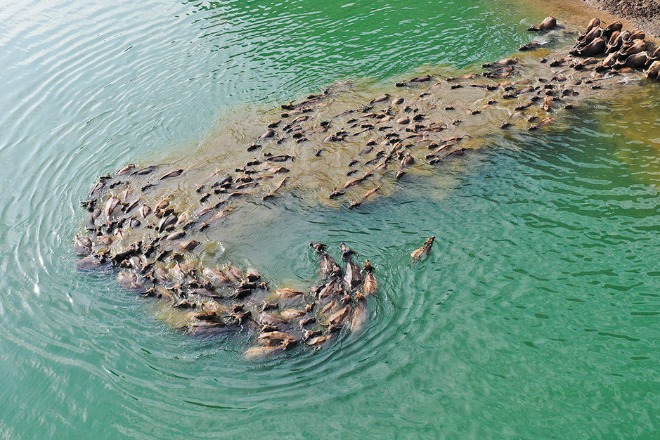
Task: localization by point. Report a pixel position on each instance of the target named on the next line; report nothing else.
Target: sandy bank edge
(645, 14)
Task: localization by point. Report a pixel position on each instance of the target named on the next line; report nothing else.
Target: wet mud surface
(157, 227)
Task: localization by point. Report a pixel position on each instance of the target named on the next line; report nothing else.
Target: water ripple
(544, 239)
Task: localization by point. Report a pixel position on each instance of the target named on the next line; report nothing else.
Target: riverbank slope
(644, 13)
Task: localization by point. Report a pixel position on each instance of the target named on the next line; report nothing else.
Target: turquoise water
(536, 315)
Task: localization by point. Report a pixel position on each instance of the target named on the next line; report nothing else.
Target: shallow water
(536, 314)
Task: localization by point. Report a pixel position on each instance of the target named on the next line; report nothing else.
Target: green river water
(535, 316)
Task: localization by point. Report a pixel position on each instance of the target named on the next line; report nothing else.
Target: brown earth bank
(644, 13)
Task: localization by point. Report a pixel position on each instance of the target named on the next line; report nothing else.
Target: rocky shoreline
(153, 225)
(644, 13)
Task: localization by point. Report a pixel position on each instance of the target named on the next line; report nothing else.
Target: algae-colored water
(535, 316)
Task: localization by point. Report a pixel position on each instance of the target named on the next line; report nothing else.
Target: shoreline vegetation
(157, 226)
